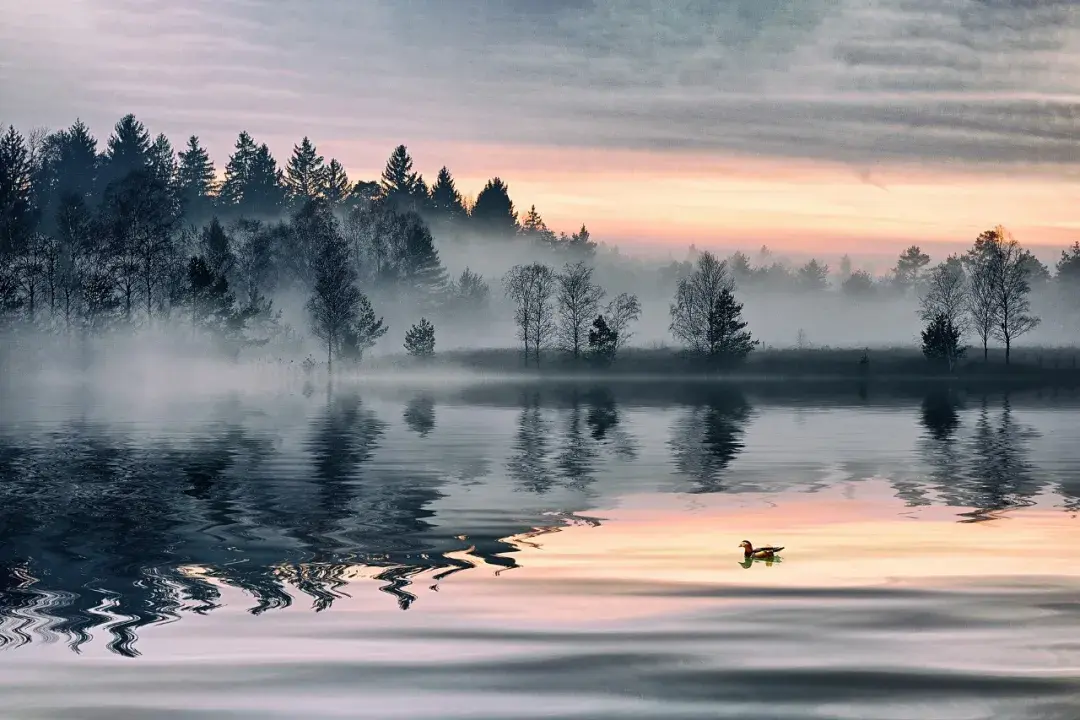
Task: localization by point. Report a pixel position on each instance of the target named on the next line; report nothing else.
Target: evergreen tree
(494, 214)
(195, 181)
(603, 341)
(238, 173)
(364, 193)
(363, 333)
(399, 183)
(470, 293)
(446, 201)
(17, 218)
(217, 250)
(265, 192)
(420, 268)
(813, 276)
(128, 150)
(336, 302)
(335, 184)
(941, 341)
(535, 230)
(581, 244)
(706, 315)
(305, 173)
(420, 339)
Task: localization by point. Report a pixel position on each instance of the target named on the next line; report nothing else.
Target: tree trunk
(1008, 344)
(985, 352)
(329, 356)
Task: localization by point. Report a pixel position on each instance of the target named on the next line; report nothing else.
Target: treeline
(135, 234)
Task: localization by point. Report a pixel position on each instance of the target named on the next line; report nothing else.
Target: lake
(522, 550)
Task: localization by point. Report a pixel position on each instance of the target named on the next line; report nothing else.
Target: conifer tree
(420, 339)
(304, 174)
(238, 171)
(398, 183)
(446, 201)
(335, 184)
(195, 180)
(16, 205)
(535, 230)
(494, 214)
(128, 149)
(265, 192)
(420, 267)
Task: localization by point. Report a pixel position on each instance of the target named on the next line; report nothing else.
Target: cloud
(976, 82)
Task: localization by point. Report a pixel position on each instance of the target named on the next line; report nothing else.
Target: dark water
(510, 551)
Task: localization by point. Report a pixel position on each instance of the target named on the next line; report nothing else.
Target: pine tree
(363, 333)
(941, 341)
(581, 245)
(494, 214)
(265, 193)
(603, 341)
(161, 161)
(420, 339)
(338, 309)
(195, 181)
(420, 267)
(304, 174)
(216, 248)
(398, 183)
(335, 184)
(16, 205)
(128, 149)
(446, 201)
(535, 230)
(238, 171)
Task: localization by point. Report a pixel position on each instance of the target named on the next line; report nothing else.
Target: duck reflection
(746, 563)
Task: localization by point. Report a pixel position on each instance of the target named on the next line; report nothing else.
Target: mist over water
(522, 549)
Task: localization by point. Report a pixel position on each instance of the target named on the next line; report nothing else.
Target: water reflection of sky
(497, 500)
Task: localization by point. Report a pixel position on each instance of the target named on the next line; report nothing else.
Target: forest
(134, 239)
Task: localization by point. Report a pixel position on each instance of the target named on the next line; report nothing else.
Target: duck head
(746, 546)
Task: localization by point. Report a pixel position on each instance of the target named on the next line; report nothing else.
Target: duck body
(761, 553)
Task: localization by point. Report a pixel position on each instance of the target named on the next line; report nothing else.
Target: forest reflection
(106, 528)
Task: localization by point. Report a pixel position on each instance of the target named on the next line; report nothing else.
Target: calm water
(509, 551)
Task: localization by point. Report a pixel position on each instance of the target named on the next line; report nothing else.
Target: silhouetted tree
(335, 184)
(1010, 284)
(238, 172)
(420, 339)
(982, 305)
(941, 341)
(196, 182)
(705, 314)
(399, 182)
(813, 276)
(535, 231)
(623, 309)
(581, 245)
(128, 150)
(603, 341)
(911, 262)
(364, 332)
(217, 250)
(945, 292)
(336, 302)
(418, 264)
(17, 220)
(493, 213)
(531, 288)
(578, 299)
(305, 174)
(845, 268)
(446, 201)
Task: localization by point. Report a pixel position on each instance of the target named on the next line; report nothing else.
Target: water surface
(502, 550)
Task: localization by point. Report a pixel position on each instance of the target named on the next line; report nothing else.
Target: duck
(767, 552)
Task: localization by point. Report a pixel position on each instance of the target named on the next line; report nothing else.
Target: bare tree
(1010, 288)
(621, 311)
(945, 292)
(981, 304)
(694, 317)
(531, 288)
(578, 300)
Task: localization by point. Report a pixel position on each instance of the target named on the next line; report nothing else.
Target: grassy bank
(1037, 364)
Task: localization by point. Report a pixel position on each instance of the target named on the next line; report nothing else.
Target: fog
(135, 267)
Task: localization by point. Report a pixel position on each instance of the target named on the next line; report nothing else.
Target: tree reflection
(419, 415)
(529, 465)
(708, 437)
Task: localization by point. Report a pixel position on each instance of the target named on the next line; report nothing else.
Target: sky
(812, 126)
